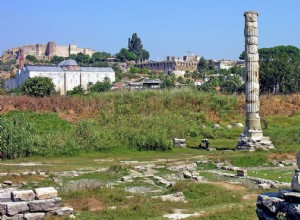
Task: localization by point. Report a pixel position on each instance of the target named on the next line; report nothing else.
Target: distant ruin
(46, 51)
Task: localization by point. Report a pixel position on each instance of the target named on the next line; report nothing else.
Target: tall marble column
(252, 137)
(253, 127)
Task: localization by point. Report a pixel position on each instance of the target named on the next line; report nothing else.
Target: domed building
(67, 75)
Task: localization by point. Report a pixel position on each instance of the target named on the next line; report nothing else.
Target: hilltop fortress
(46, 51)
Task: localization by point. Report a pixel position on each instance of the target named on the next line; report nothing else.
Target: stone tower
(21, 58)
(51, 49)
(252, 137)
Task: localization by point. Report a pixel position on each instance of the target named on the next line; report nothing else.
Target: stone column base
(250, 144)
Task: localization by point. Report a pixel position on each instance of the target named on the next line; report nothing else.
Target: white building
(65, 76)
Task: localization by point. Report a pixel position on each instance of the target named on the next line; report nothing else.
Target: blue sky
(211, 28)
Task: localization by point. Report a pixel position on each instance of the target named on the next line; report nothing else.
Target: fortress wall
(62, 51)
(88, 51)
(43, 50)
(40, 50)
(29, 49)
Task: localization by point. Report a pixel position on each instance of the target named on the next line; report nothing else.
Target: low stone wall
(31, 204)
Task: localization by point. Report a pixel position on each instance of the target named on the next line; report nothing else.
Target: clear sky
(211, 28)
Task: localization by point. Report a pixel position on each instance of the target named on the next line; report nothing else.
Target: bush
(32, 58)
(38, 86)
(100, 86)
(77, 90)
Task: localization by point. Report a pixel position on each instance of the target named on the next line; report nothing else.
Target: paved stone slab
(23, 195)
(45, 193)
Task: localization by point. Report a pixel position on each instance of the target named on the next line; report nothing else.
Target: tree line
(279, 69)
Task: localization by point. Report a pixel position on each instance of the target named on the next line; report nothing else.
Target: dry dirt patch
(89, 204)
(282, 156)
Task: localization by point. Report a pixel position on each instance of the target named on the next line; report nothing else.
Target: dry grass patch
(90, 204)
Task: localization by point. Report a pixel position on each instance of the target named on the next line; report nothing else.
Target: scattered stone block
(24, 195)
(187, 174)
(34, 216)
(83, 184)
(238, 125)
(241, 173)
(41, 173)
(25, 173)
(216, 126)
(229, 127)
(264, 186)
(45, 193)
(13, 208)
(7, 182)
(33, 173)
(63, 211)
(176, 197)
(179, 142)
(126, 179)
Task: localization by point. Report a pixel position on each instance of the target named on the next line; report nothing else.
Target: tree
(279, 69)
(202, 67)
(145, 55)
(83, 59)
(232, 84)
(56, 59)
(38, 86)
(125, 55)
(211, 65)
(72, 56)
(135, 46)
(32, 58)
(242, 55)
(100, 57)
